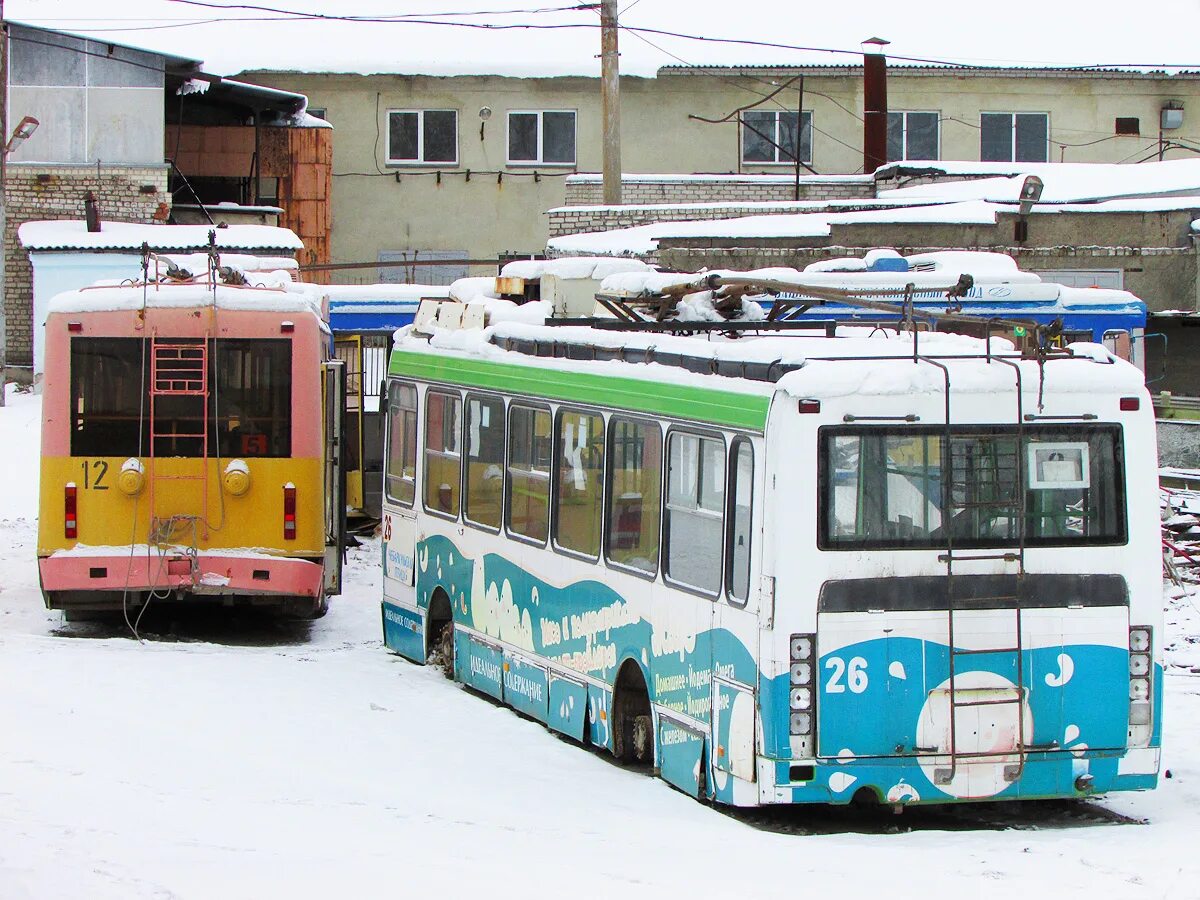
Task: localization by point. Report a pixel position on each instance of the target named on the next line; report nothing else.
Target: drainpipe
(875, 105)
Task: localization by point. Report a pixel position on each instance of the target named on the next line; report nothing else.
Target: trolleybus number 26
(93, 475)
(855, 674)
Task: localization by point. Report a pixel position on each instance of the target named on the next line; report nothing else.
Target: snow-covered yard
(297, 760)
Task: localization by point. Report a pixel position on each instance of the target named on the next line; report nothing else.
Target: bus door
(403, 619)
(348, 349)
(1119, 344)
(735, 628)
(334, 474)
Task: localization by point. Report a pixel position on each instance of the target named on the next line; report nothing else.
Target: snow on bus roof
(298, 298)
(820, 362)
(72, 234)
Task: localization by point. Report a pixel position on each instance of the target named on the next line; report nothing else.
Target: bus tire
(633, 724)
(439, 625)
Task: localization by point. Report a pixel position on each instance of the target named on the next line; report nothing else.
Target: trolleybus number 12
(856, 675)
(90, 482)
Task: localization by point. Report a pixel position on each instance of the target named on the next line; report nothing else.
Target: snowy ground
(257, 759)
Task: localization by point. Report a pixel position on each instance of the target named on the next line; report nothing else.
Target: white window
(912, 135)
(772, 137)
(422, 137)
(541, 137)
(1014, 137)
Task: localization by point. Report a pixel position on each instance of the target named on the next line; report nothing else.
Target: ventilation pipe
(875, 105)
(91, 212)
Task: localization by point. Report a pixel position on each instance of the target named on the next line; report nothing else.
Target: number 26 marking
(855, 673)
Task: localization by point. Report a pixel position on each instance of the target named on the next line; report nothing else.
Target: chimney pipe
(91, 212)
(875, 105)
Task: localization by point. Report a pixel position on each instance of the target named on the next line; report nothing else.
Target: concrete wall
(502, 207)
(588, 190)
(95, 102)
(34, 192)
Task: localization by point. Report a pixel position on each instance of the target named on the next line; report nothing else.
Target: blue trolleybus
(787, 568)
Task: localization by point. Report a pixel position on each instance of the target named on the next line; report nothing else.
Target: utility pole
(3, 183)
(610, 101)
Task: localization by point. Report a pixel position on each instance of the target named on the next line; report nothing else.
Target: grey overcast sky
(1154, 33)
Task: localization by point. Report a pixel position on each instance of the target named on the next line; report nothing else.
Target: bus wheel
(439, 625)
(633, 726)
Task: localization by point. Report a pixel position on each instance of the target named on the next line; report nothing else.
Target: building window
(771, 137)
(422, 137)
(1014, 137)
(545, 137)
(912, 135)
(1128, 125)
(318, 112)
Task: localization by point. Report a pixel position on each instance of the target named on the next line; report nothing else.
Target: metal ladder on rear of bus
(1012, 472)
(178, 369)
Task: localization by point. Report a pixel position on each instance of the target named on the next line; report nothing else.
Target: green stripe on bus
(672, 400)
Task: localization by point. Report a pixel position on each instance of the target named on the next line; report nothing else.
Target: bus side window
(485, 461)
(579, 498)
(443, 455)
(401, 476)
(634, 501)
(1118, 344)
(527, 510)
(740, 508)
(695, 510)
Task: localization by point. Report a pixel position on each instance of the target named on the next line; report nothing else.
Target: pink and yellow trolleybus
(190, 449)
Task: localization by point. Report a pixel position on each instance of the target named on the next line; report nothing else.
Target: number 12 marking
(101, 468)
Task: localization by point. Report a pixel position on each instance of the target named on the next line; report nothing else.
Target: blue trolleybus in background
(788, 567)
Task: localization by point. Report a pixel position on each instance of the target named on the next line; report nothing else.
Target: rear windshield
(907, 488)
(229, 398)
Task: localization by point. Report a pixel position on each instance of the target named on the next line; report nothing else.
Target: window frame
(559, 412)
(464, 506)
(541, 134)
(610, 470)
(505, 518)
(387, 446)
(730, 503)
(420, 159)
(791, 163)
(1012, 132)
(1120, 499)
(664, 538)
(904, 114)
(425, 451)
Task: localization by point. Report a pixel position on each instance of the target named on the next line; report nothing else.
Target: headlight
(802, 645)
(801, 698)
(1139, 690)
(1139, 664)
(1139, 639)
(801, 723)
(801, 673)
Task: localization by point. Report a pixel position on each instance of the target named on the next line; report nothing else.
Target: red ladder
(179, 370)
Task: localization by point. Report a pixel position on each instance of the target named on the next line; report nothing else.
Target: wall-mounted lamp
(24, 130)
(485, 113)
(1031, 193)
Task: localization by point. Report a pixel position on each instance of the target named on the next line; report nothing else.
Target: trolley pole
(610, 101)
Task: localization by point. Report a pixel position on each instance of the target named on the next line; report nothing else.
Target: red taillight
(70, 519)
(1130, 404)
(809, 406)
(74, 327)
(289, 513)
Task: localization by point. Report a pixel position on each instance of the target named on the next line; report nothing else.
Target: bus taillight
(70, 517)
(289, 512)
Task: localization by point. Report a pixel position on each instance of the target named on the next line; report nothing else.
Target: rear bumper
(250, 574)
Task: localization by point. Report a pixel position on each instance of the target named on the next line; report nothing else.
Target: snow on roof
(299, 298)
(72, 234)
(570, 267)
(820, 370)
(1062, 182)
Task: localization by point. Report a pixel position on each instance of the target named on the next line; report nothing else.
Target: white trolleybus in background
(791, 567)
